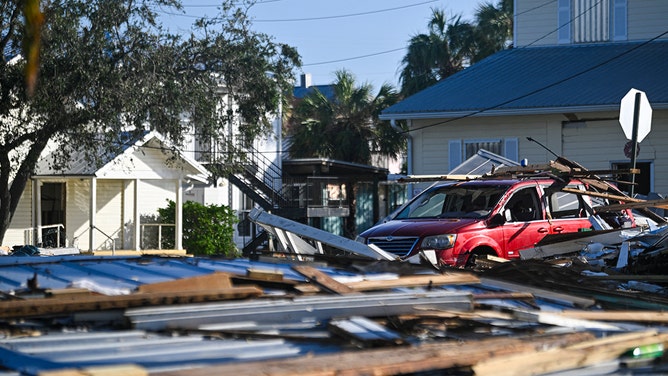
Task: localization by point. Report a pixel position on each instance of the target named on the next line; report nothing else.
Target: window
(459, 151)
(590, 21)
(523, 206)
(566, 205)
(472, 147)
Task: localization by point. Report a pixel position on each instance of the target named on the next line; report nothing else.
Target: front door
(53, 214)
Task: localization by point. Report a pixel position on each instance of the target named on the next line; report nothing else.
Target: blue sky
(366, 37)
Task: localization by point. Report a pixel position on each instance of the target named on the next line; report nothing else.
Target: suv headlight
(360, 239)
(439, 241)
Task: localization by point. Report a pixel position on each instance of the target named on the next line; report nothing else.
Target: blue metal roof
(300, 92)
(546, 79)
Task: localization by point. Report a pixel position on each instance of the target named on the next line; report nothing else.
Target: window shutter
(454, 153)
(511, 149)
(564, 21)
(619, 21)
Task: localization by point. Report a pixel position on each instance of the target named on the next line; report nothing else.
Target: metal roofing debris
(174, 315)
(300, 309)
(292, 237)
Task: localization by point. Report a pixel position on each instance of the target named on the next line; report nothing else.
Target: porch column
(91, 214)
(137, 218)
(36, 236)
(178, 242)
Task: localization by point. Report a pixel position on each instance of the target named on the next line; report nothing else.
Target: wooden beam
(414, 359)
(213, 281)
(618, 316)
(460, 278)
(55, 306)
(322, 279)
(576, 356)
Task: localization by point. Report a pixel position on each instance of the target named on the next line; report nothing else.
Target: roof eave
(506, 112)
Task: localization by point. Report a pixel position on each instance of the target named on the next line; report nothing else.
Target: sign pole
(634, 140)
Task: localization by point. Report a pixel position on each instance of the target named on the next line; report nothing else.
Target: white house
(101, 209)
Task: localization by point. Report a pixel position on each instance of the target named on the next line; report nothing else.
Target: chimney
(306, 80)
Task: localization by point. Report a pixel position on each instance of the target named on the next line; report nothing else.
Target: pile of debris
(177, 315)
(592, 302)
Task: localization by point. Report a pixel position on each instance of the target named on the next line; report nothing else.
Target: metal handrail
(109, 238)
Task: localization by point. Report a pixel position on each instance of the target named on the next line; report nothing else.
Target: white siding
(647, 19)
(594, 144)
(77, 203)
(21, 221)
(431, 157)
(535, 23)
(109, 216)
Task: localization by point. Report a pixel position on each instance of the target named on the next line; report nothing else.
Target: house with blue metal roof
(557, 91)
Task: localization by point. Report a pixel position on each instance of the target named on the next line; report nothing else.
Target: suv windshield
(454, 201)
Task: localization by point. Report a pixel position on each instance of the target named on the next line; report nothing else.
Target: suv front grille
(400, 246)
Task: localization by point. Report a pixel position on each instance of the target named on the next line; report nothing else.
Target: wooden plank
(122, 369)
(69, 293)
(323, 280)
(264, 275)
(576, 356)
(540, 293)
(414, 359)
(602, 195)
(662, 204)
(618, 316)
(460, 278)
(428, 178)
(213, 281)
(42, 307)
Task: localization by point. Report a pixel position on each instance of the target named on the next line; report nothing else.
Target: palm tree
(345, 127)
(436, 55)
(494, 28)
(452, 44)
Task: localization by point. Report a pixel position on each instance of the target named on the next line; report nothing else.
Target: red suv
(458, 220)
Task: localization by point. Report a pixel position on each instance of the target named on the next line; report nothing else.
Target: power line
(355, 58)
(596, 66)
(347, 15)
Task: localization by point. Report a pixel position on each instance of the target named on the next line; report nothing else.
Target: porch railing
(150, 238)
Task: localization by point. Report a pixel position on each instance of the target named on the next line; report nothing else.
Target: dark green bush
(207, 230)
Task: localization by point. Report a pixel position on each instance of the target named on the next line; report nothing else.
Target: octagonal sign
(627, 110)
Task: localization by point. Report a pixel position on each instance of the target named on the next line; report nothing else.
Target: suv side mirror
(497, 220)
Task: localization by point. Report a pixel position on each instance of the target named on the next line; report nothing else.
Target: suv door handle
(543, 229)
(558, 229)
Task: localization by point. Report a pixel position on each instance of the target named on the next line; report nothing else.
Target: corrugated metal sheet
(556, 77)
(155, 352)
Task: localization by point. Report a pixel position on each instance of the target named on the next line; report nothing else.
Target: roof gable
(150, 157)
(546, 79)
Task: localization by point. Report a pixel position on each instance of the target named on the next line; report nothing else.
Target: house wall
(596, 142)
(536, 21)
(430, 151)
(646, 19)
(21, 221)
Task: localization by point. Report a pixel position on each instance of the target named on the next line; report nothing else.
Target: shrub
(207, 230)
